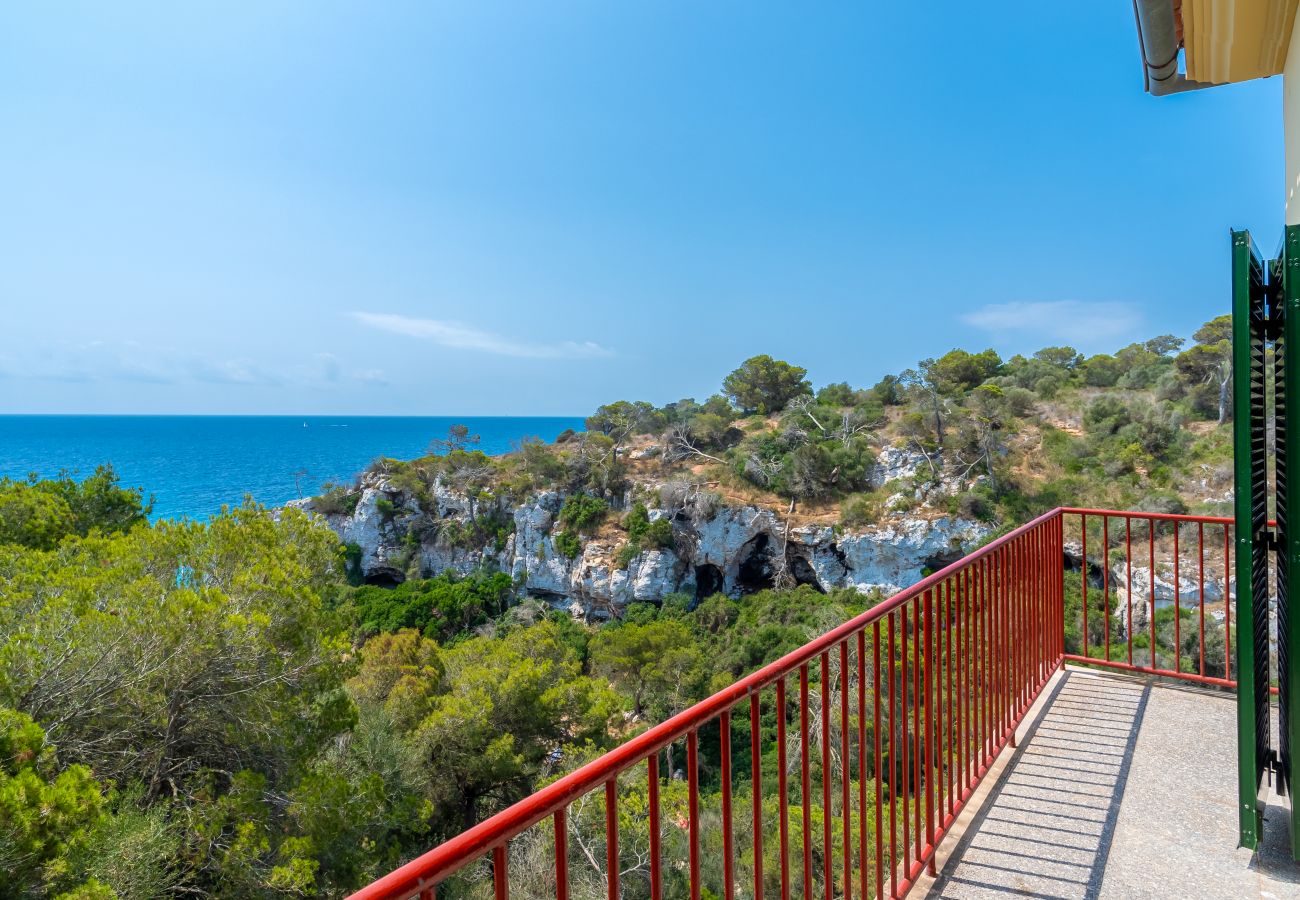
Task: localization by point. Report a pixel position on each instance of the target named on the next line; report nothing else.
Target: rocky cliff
(716, 546)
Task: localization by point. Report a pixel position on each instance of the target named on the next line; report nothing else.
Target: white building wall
(1291, 118)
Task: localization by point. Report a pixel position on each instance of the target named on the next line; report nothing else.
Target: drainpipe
(1158, 40)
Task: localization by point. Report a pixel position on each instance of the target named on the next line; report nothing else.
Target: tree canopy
(765, 385)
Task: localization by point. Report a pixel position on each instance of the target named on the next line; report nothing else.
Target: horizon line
(107, 415)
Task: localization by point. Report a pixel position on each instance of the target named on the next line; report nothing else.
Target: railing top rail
(1129, 514)
(468, 846)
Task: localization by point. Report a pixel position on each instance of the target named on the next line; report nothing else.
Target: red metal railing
(876, 735)
(1177, 621)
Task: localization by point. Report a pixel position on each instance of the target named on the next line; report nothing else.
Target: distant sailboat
(304, 424)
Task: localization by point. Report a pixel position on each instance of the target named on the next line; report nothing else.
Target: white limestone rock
(891, 556)
(654, 574)
(896, 463)
(714, 543)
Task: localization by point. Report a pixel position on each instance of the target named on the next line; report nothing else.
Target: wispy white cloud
(369, 376)
(128, 361)
(232, 371)
(464, 337)
(1067, 321)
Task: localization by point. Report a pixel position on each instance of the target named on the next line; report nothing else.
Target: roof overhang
(1226, 41)
(1222, 41)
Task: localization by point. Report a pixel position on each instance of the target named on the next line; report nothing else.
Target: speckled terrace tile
(1121, 788)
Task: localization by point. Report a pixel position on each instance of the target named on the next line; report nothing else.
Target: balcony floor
(1122, 787)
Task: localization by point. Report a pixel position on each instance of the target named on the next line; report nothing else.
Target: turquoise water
(194, 464)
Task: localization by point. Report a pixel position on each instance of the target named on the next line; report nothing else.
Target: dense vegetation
(213, 709)
(210, 708)
(1000, 438)
(996, 440)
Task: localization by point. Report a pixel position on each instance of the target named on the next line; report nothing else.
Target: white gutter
(1158, 40)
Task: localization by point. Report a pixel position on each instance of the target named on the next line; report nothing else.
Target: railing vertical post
(500, 873)
(1016, 633)
(904, 734)
(984, 661)
(782, 788)
(828, 844)
(1151, 581)
(917, 735)
(1042, 605)
(1083, 527)
(950, 729)
(1200, 570)
(1227, 607)
(1178, 609)
(806, 783)
(756, 788)
(1048, 584)
(1036, 609)
(1058, 587)
(562, 850)
(1046, 609)
(728, 856)
(1007, 598)
(1023, 624)
(656, 872)
(963, 605)
(893, 768)
(986, 664)
(1105, 576)
(969, 675)
(990, 661)
(1021, 631)
(1054, 598)
(846, 808)
(862, 765)
(937, 702)
(928, 612)
(875, 727)
(1128, 570)
(612, 862)
(693, 809)
(1000, 635)
(1028, 628)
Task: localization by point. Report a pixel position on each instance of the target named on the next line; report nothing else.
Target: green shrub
(657, 535)
(443, 607)
(859, 510)
(409, 478)
(902, 504)
(337, 500)
(765, 385)
(492, 529)
(627, 553)
(973, 504)
(643, 534)
(568, 544)
(660, 534)
(352, 563)
(583, 512)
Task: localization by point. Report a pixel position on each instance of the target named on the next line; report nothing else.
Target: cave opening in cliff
(1071, 563)
(384, 576)
(708, 581)
(939, 561)
(802, 572)
(756, 572)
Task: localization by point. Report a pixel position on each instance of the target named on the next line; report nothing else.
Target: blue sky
(533, 208)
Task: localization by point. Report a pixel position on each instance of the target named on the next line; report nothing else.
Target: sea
(193, 465)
